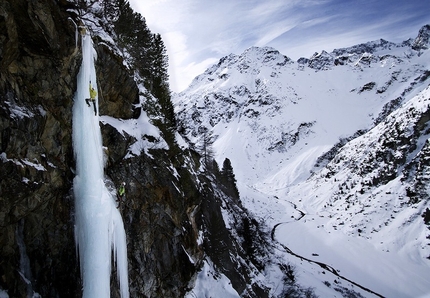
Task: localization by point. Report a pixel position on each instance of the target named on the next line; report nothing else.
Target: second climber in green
(121, 193)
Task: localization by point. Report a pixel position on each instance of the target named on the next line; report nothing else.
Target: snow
(389, 257)
(380, 241)
(386, 272)
(99, 229)
(19, 112)
(139, 129)
(37, 166)
(210, 283)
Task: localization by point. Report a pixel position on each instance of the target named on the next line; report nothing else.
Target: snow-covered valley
(320, 186)
(331, 153)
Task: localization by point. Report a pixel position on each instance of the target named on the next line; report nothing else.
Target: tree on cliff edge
(160, 79)
(148, 55)
(229, 179)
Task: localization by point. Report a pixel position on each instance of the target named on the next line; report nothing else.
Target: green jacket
(121, 190)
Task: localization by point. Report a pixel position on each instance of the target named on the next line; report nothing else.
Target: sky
(197, 33)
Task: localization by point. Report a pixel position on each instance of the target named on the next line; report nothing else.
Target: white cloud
(272, 33)
(190, 71)
(199, 31)
(177, 50)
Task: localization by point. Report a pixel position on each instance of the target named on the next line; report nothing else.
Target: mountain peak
(422, 41)
(368, 47)
(251, 61)
(260, 51)
(264, 55)
(256, 56)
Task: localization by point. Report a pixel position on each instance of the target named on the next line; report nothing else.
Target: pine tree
(124, 23)
(160, 59)
(147, 55)
(160, 80)
(229, 179)
(227, 171)
(142, 47)
(215, 168)
(207, 149)
(132, 34)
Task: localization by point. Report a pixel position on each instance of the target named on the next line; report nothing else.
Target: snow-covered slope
(340, 136)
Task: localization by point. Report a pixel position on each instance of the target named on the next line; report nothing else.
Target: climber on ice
(93, 94)
(121, 193)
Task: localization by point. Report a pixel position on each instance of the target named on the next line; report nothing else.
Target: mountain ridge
(338, 56)
(285, 124)
(310, 217)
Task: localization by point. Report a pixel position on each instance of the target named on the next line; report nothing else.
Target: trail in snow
(320, 264)
(354, 260)
(99, 229)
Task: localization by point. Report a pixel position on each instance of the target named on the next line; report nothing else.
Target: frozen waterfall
(99, 229)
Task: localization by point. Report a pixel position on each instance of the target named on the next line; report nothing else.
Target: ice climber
(93, 94)
(121, 192)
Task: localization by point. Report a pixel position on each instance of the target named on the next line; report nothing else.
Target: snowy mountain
(331, 152)
(63, 234)
(322, 190)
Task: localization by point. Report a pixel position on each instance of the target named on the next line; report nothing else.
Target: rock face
(423, 39)
(118, 89)
(38, 66)
(167, 195)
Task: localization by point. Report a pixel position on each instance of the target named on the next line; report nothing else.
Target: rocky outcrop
(118, 91)
(321, 61)
(163, 213)
(38, 67)
(159, 222)
(422, 41)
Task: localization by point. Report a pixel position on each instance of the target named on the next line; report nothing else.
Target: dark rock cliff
(168, 199)
(38, 67)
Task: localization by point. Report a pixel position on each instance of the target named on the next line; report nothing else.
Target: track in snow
(320, 264)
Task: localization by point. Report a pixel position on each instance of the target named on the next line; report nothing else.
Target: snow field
(210, 283)
(388, 273)
(374, 242)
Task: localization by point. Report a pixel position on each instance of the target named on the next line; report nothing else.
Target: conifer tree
(161, 80)
(122, 14)
(229, 179)
(215, 168)
(206, 148)
(147, 55)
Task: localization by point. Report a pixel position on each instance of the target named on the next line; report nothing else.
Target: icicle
(24, 261)
(76, 32)
(99, 229)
